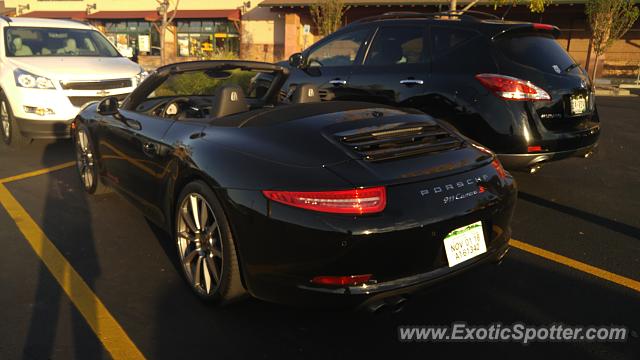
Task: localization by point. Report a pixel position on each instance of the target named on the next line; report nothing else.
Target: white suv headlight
(26, 79)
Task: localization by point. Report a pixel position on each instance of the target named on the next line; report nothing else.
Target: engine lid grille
(397, 140)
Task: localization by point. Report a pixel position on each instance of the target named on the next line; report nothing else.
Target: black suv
(508, 85)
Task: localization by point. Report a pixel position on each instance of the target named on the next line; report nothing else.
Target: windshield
(206, 82)
(33, 41)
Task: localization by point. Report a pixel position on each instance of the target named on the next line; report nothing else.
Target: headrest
(17, 42)
(305, 93)
(229, 100)
(71, 44)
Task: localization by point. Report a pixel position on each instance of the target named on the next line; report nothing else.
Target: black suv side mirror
(108, 106)
(296, 60)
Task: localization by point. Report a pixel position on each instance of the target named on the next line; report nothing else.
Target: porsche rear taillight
(354, 201)
(502, 174)
(510, 88)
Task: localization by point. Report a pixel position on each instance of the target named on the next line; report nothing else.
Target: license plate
(578, 105)
(465, 243)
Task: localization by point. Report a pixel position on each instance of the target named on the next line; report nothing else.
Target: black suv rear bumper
(523, 161)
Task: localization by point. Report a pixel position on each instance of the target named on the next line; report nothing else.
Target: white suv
(49, 69)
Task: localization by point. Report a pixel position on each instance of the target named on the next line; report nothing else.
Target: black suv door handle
(337, 82)
(410, 82)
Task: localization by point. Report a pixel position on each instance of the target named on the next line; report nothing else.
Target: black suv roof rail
(470, 15)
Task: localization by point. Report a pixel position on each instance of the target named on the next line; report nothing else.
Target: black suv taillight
(510, 88)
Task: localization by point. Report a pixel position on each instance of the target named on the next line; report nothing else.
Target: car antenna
(507, 12)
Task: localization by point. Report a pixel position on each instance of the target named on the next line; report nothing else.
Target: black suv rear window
(445, 39)
(540, 52)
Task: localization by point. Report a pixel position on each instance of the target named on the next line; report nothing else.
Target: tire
(87, 163)
(9, 129)
(205, 246)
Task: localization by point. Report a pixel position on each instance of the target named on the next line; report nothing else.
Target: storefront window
(133, 37)
(207, 38)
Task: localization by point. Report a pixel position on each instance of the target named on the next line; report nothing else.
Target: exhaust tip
(534, 168)
(376, 308)
(398, 305)
(393, 305)
(588, 154)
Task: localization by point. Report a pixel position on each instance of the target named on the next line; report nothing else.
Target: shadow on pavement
(42, 339)
(30, 157)
(612, 225)
(186, 327)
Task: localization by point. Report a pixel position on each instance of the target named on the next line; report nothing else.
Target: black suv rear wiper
(570, 67)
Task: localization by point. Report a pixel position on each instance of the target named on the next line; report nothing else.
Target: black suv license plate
(578, 104)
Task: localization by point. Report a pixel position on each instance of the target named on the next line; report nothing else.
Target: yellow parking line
(111, 334)
(37, 172)
(578, 265)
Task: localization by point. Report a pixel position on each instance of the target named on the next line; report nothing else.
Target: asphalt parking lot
(576, 262)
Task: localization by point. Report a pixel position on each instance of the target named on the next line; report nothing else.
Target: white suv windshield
(33, 41)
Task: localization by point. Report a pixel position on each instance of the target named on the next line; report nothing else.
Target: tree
(536, 6)
(166, 18)
(609, 21)
(327, 15)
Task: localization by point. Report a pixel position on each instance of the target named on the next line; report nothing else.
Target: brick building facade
(271, 30)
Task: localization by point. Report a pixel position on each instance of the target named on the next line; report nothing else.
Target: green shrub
(199, 83)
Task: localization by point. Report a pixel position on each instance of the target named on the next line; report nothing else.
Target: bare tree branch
(175, 11)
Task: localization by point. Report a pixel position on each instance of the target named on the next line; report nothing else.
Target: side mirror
(296, 60)
(108, 106)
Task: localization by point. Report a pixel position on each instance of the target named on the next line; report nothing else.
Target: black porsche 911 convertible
(302, 202)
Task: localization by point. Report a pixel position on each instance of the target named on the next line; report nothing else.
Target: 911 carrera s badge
(465, 188)
(557, 69)
(464, 195)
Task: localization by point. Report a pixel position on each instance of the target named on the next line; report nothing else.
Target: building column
(291, 34)
(170, 44)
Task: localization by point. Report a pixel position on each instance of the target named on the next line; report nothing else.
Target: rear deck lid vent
(397, 140)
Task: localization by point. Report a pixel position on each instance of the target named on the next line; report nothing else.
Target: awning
(75, 15)
(119, 15)
(231, 14)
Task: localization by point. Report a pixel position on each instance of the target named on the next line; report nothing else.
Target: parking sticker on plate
(465, 243)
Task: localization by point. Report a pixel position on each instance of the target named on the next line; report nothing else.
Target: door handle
(134, 124)
(410, 82)
(338, 82)
(150, 148)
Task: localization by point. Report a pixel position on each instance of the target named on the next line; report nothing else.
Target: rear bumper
(523, 161)
(282, 248)
(45, 129)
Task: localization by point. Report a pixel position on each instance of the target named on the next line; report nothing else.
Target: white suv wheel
(4, 118)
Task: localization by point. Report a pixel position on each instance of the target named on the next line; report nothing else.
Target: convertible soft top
(285, 113)
(161, 74)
